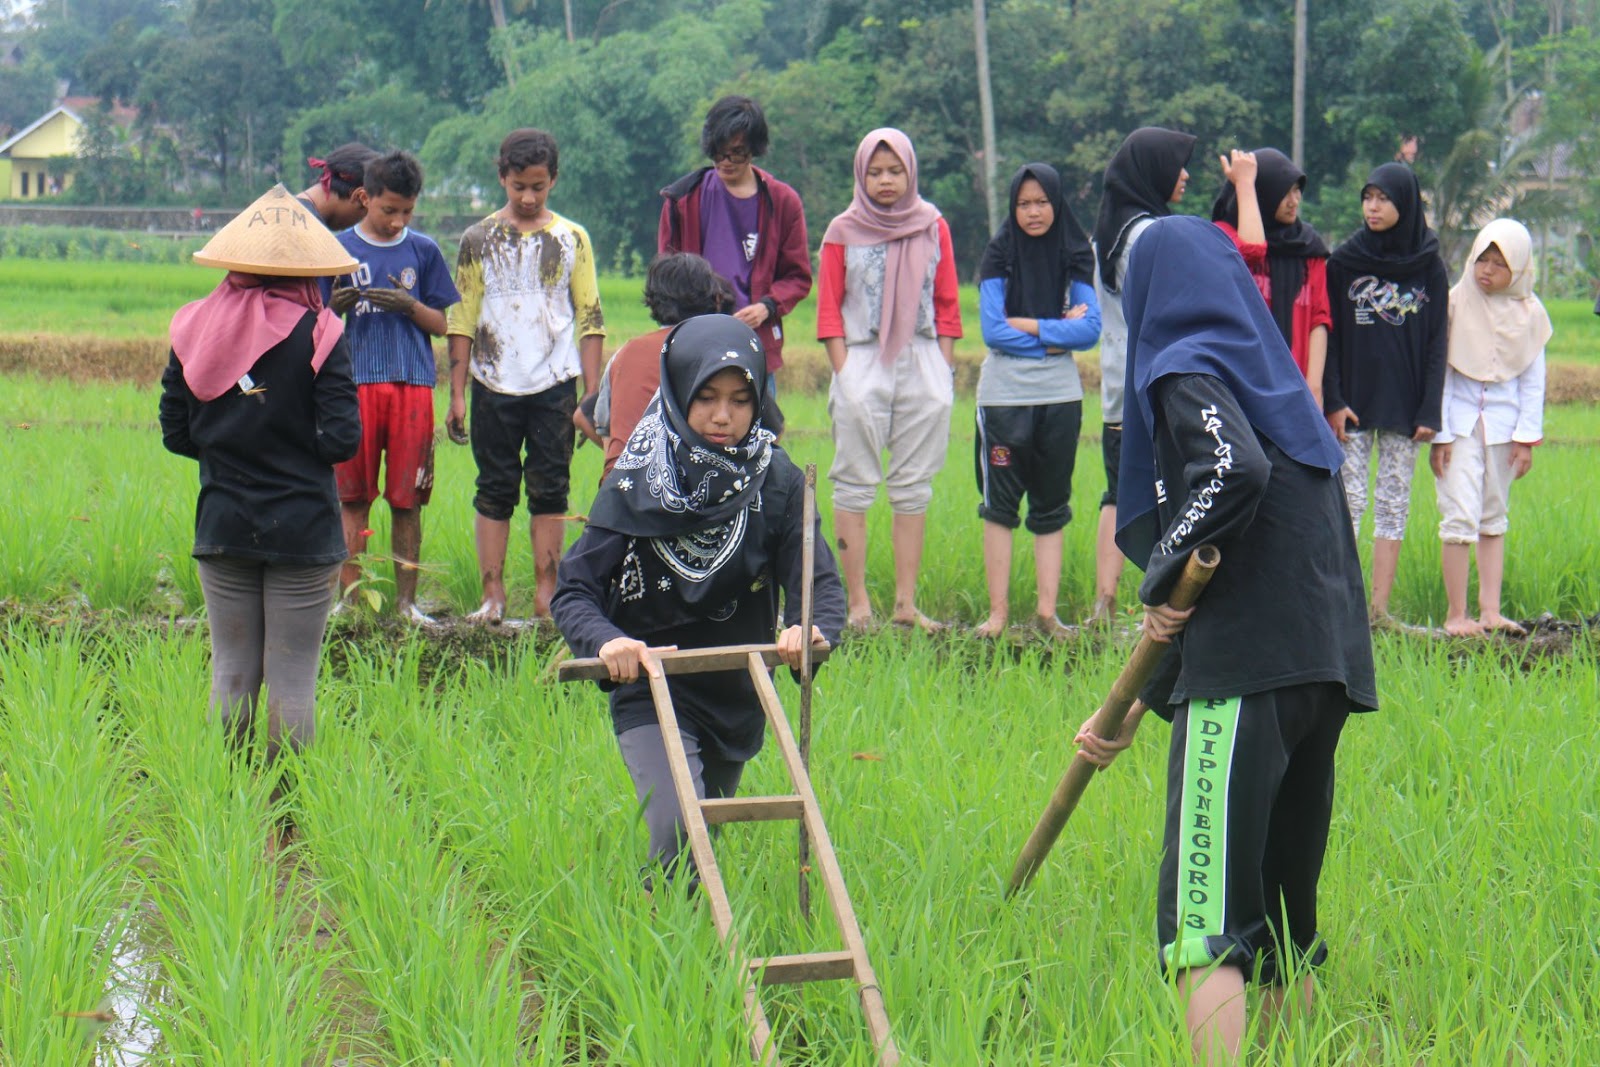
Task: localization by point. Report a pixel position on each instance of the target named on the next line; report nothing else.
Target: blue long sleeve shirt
(1022, 369)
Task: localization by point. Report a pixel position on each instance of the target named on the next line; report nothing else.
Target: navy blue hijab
(1192, 308)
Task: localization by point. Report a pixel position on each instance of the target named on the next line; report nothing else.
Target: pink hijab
(910, 227)
(220, 337)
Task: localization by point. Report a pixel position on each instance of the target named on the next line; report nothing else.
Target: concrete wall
(446, 228)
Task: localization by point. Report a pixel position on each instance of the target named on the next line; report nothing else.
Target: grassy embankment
(109, 321)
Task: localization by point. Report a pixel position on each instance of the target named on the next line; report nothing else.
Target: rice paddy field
(465, 887)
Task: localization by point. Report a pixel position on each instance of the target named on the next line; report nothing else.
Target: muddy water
(130, 1039)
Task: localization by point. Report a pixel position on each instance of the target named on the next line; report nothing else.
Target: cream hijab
(1496, 336)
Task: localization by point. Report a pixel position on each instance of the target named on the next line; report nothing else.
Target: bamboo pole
(1107, 722)
(808, 560)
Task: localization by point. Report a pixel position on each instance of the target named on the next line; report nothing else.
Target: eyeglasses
(739, 154)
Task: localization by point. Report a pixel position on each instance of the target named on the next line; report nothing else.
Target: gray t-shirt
(1114, 330)
(1021, 381)
(1012, 381)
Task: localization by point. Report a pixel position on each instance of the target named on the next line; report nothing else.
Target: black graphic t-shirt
(1286, 606)
(1387, 348)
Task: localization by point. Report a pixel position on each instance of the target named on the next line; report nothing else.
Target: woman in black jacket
(258, 388)
(693, 534)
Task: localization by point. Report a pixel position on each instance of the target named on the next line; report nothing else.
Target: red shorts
(396, 427)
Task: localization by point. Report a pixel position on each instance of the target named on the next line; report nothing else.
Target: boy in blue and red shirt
(393, 303)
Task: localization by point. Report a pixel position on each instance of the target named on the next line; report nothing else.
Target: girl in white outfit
(1493, 415)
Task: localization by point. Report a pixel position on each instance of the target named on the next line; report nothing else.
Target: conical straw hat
(279, 236)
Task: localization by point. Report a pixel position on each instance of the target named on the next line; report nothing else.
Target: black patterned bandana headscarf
(670, 481)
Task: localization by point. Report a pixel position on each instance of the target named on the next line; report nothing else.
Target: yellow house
(25, 158)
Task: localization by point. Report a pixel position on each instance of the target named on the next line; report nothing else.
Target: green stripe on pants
(1212, 728)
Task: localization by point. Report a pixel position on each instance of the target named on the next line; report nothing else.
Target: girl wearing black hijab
(1037, 305)
(1222, 446)
(1259, 209)
(693, 533)
(1145, 177)
(1384, 381)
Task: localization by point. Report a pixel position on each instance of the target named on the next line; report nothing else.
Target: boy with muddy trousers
(1222, 446)
(529, 323)
(394, 305)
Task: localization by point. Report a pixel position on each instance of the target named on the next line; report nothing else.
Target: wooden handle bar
(686, 661)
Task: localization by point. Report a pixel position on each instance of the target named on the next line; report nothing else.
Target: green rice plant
(120, 564)
(66, 842)
(485, 763)
(60, 539)
(74, 298)
(438, 974)
(243, 972)
(471, 835)
(1574, 338)
(36, 528)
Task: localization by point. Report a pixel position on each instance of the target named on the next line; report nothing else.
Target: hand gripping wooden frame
(1107, 721)
(699, 815)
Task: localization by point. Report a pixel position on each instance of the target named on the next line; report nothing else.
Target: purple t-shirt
(728, 233)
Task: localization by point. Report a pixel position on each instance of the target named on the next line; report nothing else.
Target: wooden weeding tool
(699, 815)
(808, 567)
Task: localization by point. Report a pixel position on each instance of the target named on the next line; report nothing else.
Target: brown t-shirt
(635, 374)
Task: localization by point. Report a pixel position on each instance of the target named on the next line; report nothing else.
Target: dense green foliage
(233, 94)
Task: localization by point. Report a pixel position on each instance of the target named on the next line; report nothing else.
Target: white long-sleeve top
(1512, 410)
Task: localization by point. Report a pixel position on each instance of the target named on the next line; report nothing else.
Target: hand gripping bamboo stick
(1107, 722)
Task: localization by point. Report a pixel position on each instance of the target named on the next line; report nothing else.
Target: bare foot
(1463, 627)
(913, 619)
(415, 615)
(862, 622)
(1050, 627)
(1493, 620)
(492, 612)
(1378, 618)
(1103, 614)
(991, 628)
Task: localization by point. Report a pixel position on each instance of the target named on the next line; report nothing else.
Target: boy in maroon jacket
(748, 224)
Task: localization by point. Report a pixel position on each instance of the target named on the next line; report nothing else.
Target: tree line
(234, 93)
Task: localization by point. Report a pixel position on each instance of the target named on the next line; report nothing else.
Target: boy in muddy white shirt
(528, 324)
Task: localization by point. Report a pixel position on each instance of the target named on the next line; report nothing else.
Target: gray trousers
(267, 624)
(646, 756)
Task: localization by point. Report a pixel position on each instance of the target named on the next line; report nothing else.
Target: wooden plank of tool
(808, 570)
(872, 1006)
(685, 661)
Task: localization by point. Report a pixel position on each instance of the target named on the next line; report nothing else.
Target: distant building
(25, 155)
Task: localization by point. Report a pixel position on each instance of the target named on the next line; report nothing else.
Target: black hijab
(1288, 245)
(670, 481)
(1408, 247)
(1193, 308)
(1038, 270)
(1139, 180)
